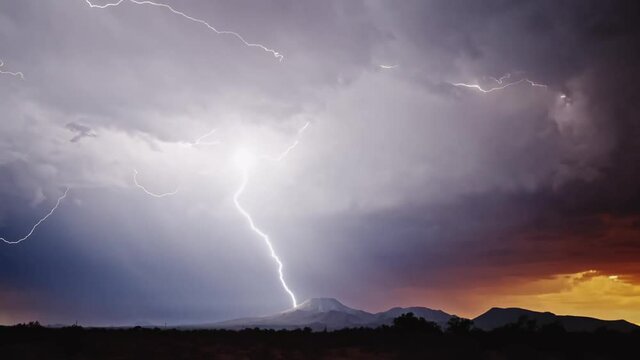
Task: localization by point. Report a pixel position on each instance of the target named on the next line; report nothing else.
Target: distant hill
(497, 317)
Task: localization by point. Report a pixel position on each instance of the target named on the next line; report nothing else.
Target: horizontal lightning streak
(17, 73)
(39, 222)
(500, 82)
(265, 237)
(276, 54)
(135, 181)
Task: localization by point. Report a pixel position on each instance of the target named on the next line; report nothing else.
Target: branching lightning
(135, 181)
(291, 147)
(40, 221)
(276, 54)
(17, 73)
(501, 84)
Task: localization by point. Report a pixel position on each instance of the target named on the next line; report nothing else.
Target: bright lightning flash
(135, 181)
(245, 161)
(39, 222)
(17, 73)
(501, 84)
(276, 54)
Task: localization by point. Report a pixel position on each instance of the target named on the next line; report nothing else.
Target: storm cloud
(401, 183)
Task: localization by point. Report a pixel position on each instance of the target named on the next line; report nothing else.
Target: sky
(457, 155)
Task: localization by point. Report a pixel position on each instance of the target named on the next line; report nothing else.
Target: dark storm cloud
(402, 180)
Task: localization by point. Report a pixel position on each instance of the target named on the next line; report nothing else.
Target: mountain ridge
(331, 314)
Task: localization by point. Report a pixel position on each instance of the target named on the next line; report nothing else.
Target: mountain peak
(323, 305)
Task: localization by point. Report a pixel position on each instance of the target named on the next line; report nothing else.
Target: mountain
(330, 314)
(317, 314)
(497, 317)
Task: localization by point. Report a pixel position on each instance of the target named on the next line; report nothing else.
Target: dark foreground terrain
(409, 337)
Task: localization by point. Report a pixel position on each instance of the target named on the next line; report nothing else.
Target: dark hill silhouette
(498, 317)
(408, 337)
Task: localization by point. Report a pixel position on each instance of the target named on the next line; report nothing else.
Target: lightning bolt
(388, 66)
(39, 222)
(276, 54)
(200, 140)
(501, 84)
(244, 165)
(265, 237)
(135, 181)
(291, 147)
(17, 73)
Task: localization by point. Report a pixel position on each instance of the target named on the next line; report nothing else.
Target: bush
(410, 323)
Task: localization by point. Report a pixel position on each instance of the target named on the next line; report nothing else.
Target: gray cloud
(82, 131)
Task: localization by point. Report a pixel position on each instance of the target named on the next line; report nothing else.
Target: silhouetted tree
(458, 325)
(30, 324)
(554, 328)
(410, 323)
(524, 324)
(527, 324)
